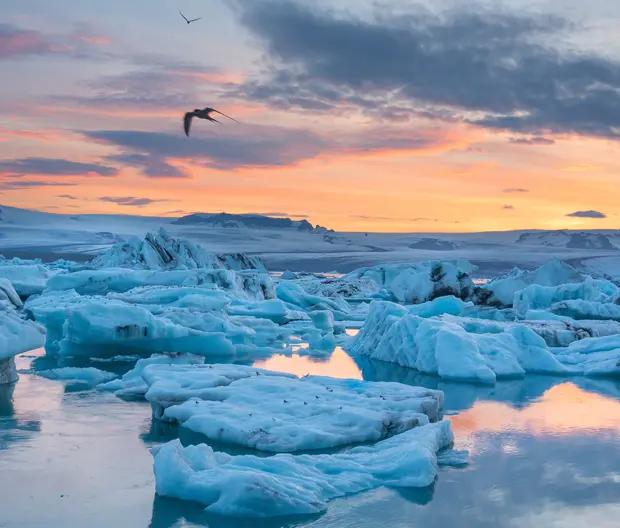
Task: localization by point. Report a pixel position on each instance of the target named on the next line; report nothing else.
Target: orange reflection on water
(338, 365)
(563, 409)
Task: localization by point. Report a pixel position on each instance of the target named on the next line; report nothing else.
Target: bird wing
(194, 19)
(187, 122)
(222, 113)
(183, 16)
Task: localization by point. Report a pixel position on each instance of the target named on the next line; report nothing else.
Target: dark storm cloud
(251, 146)
(587, 214)
(54, 166)
(279, 148)
(488, 68)
(150, 165)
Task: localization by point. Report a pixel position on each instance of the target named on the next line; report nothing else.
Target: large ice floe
(272, 412)
(285, 484)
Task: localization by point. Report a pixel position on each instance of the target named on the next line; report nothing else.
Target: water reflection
(338, 365)
(544, 452)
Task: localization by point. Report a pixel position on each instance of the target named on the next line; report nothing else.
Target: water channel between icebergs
(543, 452)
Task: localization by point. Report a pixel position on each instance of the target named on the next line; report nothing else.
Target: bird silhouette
(203, 113)
(187, 20)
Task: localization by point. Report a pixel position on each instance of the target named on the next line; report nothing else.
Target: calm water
(544, 452)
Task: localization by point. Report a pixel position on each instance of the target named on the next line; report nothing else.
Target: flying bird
(187, 20)
(202, 114)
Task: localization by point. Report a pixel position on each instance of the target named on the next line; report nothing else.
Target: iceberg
(8, 296)
(355, 288)
(162, 252)
(89, 376)
(536, 297)
(284, 484)
(127, 327)
(132, 384)
(501, 291)
(286, 414)
(250, 285)
(589, 310)
(415, 283)
(30, 279)
(450, 348)
(18, 335)
(594, 356)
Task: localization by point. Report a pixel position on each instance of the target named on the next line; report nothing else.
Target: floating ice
(273, 309)
(578, 309)
(250, 285)
(451, 350)
(249, 486)
(90, 376)
(8, 296)
(595, 356)
(18, 335)
(174, 384)
(536, 297)
(501, 291)
(27, 279)
(117, 324)
(419, 282)
(289, 414)
(132, 384)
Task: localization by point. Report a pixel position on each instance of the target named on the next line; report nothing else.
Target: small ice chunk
(90, 376)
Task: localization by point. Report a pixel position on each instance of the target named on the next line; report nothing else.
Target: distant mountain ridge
(571, 239)
(251, 221)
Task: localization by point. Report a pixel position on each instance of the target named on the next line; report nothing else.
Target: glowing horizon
(91, 115)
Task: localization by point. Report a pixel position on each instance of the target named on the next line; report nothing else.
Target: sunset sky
(377, 116)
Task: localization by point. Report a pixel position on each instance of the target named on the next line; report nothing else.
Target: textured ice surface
(578, 309)
(536, 297)
(27, 279)
(594, 357)
(251, 285)
(18, 335)
(132, 384)
(273, 309)
(286, 414)
(161, 251)
(154, 319)
(172, 385)
(419, 282)
(451, 350)
(476, 350)
(284, 484)
(501, 291)
(8, 296)
(90, 376)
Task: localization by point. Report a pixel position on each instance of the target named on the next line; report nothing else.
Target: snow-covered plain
(199, 318)
(77, 237)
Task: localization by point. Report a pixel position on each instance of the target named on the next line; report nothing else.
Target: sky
(388, 116)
